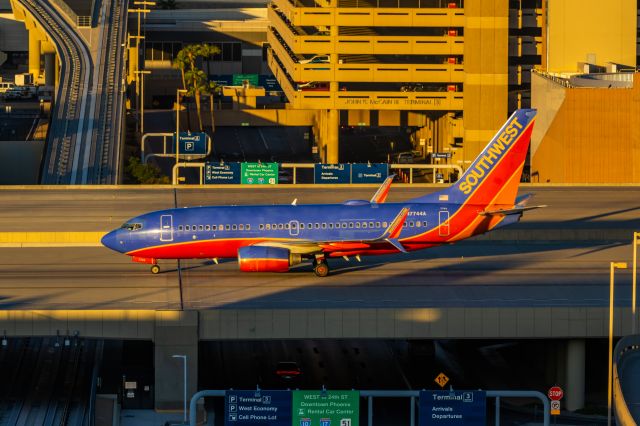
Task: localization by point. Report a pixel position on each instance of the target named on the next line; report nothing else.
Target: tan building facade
(427, 63)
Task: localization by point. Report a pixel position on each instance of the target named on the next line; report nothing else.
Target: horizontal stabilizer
(506, 212)
(396, 243)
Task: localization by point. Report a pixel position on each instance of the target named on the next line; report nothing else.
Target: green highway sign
(238, 79)
(259, 173)
(325, 408)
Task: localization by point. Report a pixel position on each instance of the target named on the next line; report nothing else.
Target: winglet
(381, 194)
(394, 229)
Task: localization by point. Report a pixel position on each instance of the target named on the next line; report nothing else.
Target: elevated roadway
(83, 143)
(544, 277)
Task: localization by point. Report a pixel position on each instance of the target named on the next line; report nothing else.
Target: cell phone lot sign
(325, 408)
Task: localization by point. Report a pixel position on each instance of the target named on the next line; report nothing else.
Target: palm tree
(195, 80)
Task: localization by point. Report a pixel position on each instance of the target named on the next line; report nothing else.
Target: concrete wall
(592, 136)
(578, 28)
(175, 331)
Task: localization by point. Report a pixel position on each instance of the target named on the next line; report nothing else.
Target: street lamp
(636, 240)
(184, 358)
(142, 99)
(178, 91)
(612, 268)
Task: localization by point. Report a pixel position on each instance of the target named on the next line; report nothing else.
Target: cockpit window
(131, 226)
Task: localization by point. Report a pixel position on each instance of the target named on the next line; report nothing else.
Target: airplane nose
(111, 241)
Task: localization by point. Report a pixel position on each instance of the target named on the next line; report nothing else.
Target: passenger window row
(227, 227)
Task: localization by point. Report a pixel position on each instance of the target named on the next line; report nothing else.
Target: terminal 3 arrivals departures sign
(450, 408)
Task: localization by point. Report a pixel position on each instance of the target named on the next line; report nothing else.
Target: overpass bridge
(546, 277)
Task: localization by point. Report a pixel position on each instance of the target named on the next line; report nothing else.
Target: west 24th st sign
(434, 102)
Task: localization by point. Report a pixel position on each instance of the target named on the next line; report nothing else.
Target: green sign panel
(259, 173)
(329, 408)
(238, 79)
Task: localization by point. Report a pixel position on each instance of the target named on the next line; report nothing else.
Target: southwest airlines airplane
(272, 238)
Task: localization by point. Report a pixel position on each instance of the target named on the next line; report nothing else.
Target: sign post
(325, 408)
(555, 394)
(468, 408)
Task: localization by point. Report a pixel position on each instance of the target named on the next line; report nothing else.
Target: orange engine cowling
(266, 259)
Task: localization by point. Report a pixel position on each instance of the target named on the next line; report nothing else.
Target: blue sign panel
(369, 173)
(191, 143)
(257, 408)
(441, 155)
(332, 173)
(270, 83)
(468, 408)
(222, 173)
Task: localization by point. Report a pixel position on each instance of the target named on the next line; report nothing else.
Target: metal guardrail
(626, 345)
(370, 394)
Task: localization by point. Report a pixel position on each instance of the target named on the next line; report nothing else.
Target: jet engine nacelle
(266, 259)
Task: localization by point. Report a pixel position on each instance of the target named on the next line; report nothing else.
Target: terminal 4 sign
(326, 408)
(257, 408)
(191, 143)
(467, 408)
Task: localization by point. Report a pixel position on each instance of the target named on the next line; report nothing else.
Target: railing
(412, 395)
(404, 171)
(561, 81)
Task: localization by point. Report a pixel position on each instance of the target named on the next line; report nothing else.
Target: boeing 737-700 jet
(272, 238)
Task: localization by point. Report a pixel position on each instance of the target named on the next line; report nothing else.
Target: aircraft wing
(390, 235)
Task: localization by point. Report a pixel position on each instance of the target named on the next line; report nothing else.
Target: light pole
(142, 99)
(636, 240)
(176, 175)
(184, 358)
(612, 268)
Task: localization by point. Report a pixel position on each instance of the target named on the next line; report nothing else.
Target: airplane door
(443, 228)
(294, 228)
(166, 227)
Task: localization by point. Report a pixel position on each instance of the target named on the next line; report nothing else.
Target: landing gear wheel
(321, 269)
(155, 269)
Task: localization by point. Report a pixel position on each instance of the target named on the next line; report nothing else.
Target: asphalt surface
(543, 267)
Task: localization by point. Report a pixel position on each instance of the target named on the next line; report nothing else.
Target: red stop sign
(555, 393)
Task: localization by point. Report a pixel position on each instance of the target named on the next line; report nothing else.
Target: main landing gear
(155, 269)
(320, 267)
